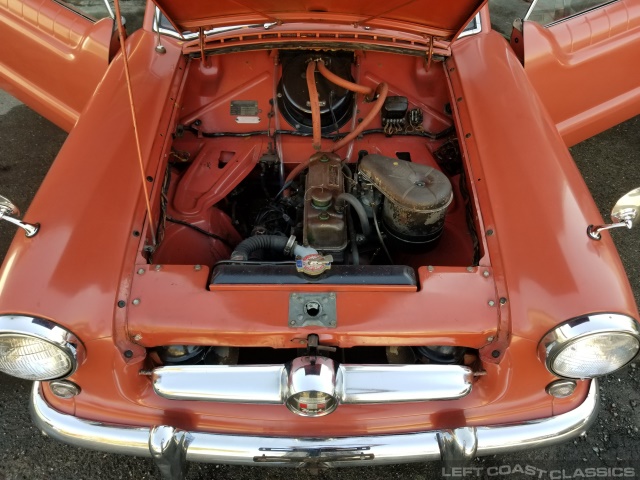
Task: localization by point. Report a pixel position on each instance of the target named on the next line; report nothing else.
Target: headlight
(590, 346)
(37, 349)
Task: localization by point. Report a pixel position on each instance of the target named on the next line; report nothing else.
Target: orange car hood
(442, 18)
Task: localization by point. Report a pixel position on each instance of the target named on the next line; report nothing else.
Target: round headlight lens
(595, 355)
(32, 358)
(37, 349)
(591, 346)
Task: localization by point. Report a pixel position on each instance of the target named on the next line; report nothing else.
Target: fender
(90, 202)
(531, 195)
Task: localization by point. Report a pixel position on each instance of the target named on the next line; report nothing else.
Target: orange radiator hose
(341, 82)
(314, 101)
(383, 90)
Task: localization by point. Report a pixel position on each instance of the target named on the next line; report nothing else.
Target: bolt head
(137, 337)
(158, 267)
(491, 303)
(197, 268)
(485, 273)
(489, 339)
(136, 301)
(141, 271)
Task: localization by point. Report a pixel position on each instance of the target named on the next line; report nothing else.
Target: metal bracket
(314, 348)
(312, 309)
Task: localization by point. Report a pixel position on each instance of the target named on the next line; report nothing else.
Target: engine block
(324, 225)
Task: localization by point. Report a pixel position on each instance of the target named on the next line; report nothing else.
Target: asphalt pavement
(609, 163)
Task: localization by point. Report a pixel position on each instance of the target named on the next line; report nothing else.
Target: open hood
(441, 18)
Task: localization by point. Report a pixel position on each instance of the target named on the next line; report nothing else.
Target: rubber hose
(384, 89)
(341, 82)
(359, 209)
(314, 101)
(259, 242)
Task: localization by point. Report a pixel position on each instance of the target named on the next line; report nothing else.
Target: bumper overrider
(171, 448)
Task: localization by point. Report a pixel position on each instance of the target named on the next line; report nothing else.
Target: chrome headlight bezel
(580, 328)
(47, 331)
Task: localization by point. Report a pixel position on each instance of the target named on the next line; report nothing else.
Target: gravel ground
(609, 163)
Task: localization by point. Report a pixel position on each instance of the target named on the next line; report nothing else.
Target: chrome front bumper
(171, 448)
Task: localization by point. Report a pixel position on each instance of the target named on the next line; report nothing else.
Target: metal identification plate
(244, 107)
(312, 309)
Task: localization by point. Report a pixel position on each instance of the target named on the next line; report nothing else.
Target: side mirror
(625, 213)
(8, 208)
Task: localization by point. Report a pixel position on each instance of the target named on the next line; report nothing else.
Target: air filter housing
(416, 197)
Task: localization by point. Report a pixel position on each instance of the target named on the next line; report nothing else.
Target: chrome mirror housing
(626, 210)
(8, 208)
(625, 213)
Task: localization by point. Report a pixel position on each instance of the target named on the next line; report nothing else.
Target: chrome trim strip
(347, 451)
(403, 383)
(530, 10)
(473, 31)
(356, 384)
(220, 383)
(74, 9)
(564, 19)
(189, 35)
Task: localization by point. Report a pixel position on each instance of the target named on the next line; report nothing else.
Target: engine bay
(315, 166)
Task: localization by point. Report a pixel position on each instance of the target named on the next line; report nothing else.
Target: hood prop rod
(201, 41)
(122, 36)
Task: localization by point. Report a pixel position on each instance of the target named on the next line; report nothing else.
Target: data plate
(313, 309)
(245, 107)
